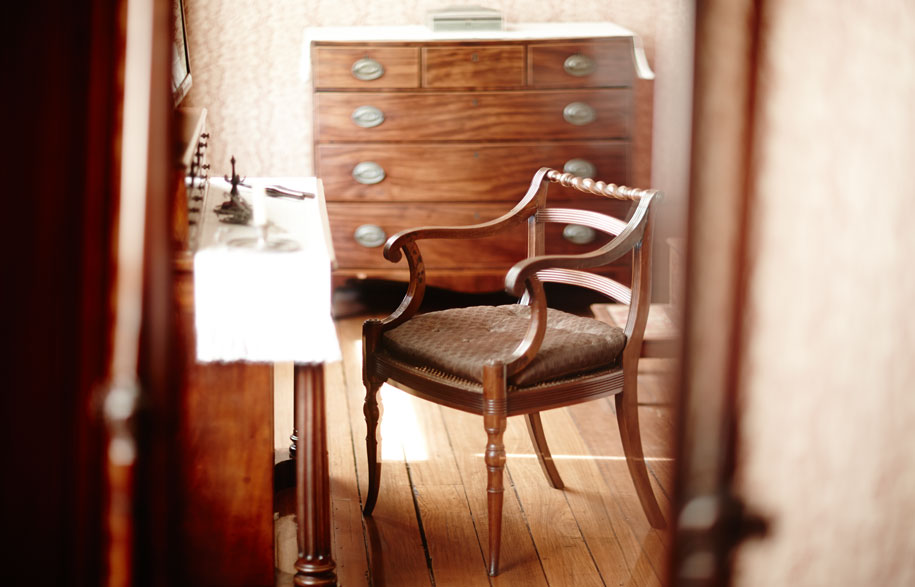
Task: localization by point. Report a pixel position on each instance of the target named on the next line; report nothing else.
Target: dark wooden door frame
(709, 519)
(142, 544)
(60, 202)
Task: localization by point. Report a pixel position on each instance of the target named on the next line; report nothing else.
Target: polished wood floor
(430, 524)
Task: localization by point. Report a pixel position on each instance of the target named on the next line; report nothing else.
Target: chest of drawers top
(525, 56)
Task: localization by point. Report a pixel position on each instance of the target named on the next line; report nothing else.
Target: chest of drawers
(413, 128)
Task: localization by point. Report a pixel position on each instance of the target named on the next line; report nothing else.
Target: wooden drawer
(483, 116)
(334, 67)
(499, 66)
(581, 64)
(502, 251)
(460, 172)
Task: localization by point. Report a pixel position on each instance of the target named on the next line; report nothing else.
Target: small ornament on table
(234, 210)
(255, 214)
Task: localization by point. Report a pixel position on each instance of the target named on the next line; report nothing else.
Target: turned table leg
(315, 565)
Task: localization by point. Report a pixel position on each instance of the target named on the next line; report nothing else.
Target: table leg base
(315, 565)
(315, 573)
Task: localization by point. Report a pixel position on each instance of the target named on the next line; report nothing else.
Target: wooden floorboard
(565, 556)
(347, 536)
(394, 540)
(616, 550)
(448, 522)
(430, 525)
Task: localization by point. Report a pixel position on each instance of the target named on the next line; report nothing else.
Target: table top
(265, 304)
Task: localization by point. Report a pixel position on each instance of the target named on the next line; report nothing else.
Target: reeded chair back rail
(500, 389)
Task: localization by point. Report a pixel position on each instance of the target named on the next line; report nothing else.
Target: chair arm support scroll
(529, 346)
(413, 297)
(405, 243)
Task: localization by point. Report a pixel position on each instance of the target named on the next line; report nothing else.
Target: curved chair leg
(628, 417)
(535, 429)
(373, 410)
(494, 419)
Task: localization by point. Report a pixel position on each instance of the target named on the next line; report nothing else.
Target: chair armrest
(629, 237)
(397, 242)
(526, 207)
(599, 188)
(405, 241)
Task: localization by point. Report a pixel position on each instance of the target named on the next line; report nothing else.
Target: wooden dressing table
(227, 469)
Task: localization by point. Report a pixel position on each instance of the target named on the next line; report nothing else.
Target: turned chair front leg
(494, 421)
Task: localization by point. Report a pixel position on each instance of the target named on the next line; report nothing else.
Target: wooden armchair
(521, 359)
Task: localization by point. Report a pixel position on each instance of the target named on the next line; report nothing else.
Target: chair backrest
(630, 235)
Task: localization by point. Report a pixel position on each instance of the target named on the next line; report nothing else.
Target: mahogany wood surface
(315, 565)
(333, 67)
(226, 463)
(60, 281)
(474, 116)
(459, 172)
(494, 66)
(611, 58)
(469, 120)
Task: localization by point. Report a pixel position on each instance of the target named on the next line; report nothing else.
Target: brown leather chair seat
(460, 341)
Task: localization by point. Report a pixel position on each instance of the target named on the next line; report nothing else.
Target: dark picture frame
(181, 62)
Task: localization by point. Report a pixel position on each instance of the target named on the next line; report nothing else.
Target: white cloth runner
(264, 305)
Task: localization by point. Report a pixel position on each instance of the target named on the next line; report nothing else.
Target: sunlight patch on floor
(401, 436)
(400, 432)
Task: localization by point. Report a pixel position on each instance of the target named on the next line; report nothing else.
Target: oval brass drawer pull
(578, 113)
(370, 235)
(367, 69)
(578, 65)
(368, 173)
(367, 116)
(578, 234)
(580, 167)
